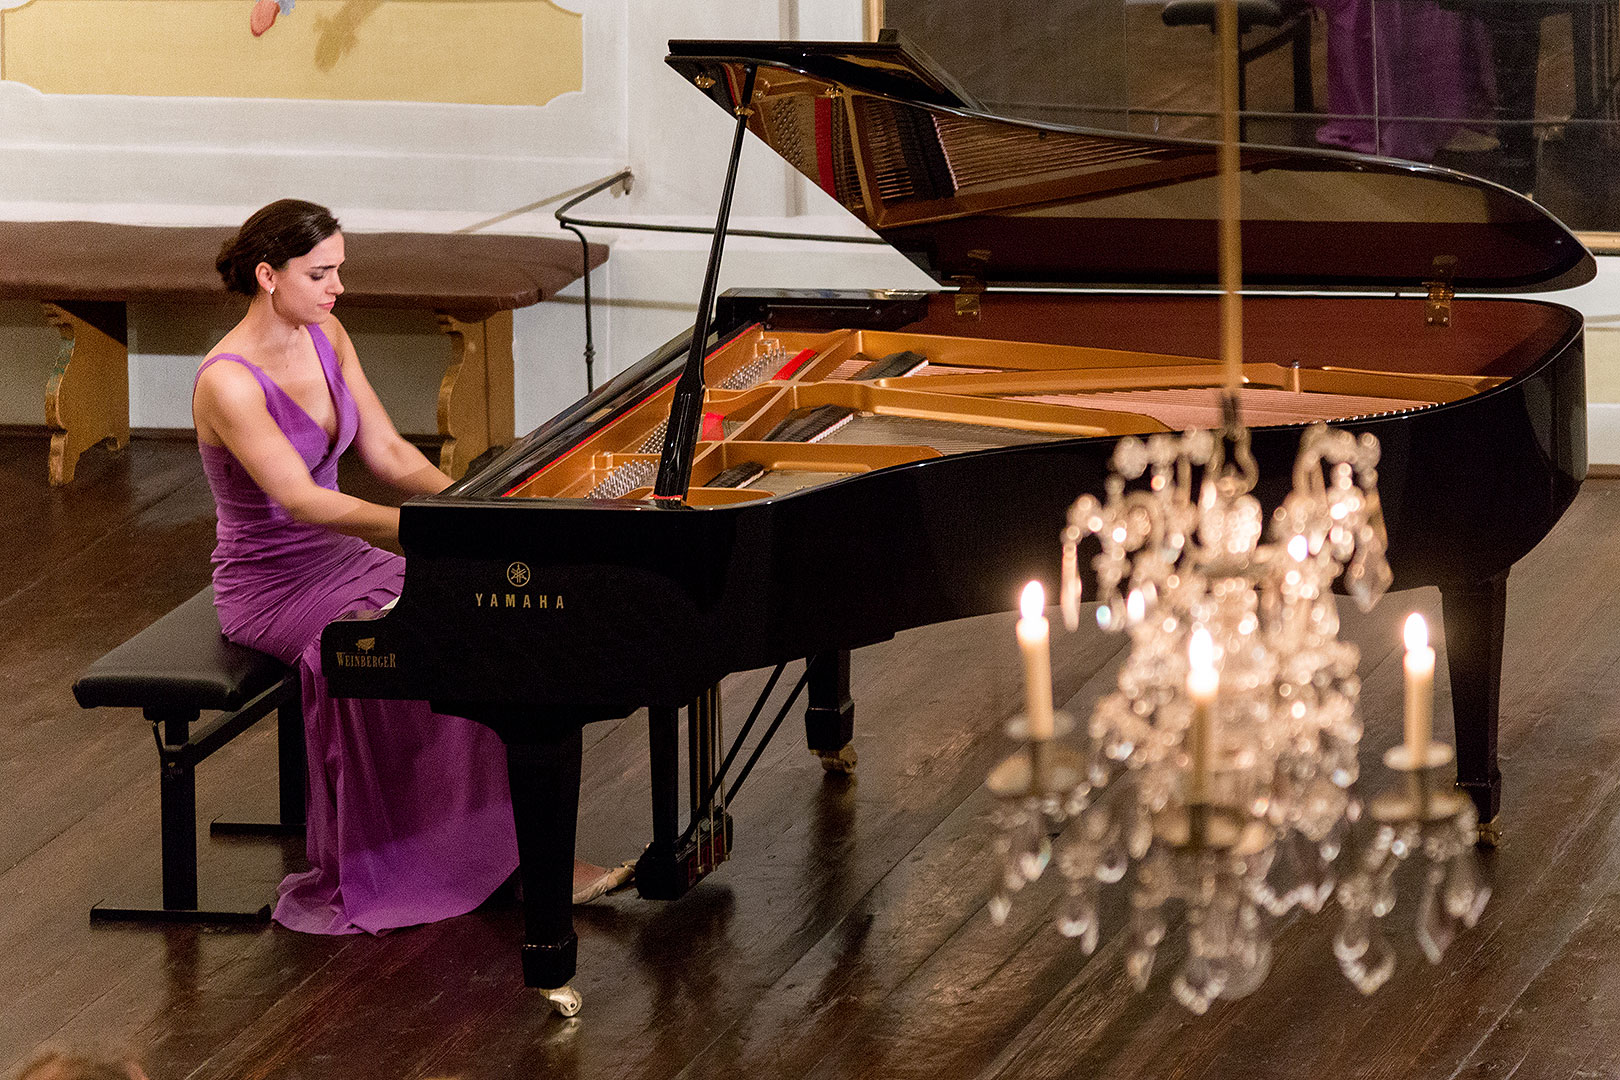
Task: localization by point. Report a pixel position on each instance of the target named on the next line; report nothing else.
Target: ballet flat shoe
(613, 878)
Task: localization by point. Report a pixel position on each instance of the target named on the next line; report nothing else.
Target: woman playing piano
(409, 815)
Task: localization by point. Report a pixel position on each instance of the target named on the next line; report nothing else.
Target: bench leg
(87, 395)
(475, 397)
(177, 796)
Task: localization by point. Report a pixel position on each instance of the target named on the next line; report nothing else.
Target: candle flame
(1201, 650)
(1417, 633)
(1032, 601)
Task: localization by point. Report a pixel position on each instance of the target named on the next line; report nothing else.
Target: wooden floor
(848, 936)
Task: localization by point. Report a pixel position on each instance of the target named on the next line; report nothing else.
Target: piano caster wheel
(1490, 833)
(564, 1000)
(841, 762)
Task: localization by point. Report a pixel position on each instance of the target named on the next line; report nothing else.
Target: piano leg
(1475, 616)
(829, 719)
(545, 805)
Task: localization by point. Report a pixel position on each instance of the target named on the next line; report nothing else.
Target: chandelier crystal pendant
(1219, 775)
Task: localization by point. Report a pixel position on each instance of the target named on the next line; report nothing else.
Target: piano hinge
(968, 291)
(1437, 309)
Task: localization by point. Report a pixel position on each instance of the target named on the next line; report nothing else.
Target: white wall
(396, 165)
(401, 165)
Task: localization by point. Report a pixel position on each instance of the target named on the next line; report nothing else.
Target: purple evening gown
(1432, 62)
(410, 817)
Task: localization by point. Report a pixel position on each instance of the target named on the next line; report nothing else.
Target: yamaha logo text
(518, 597)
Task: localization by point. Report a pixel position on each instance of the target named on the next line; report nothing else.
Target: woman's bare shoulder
(341, 344)
(332, 327)
(226, 394)
(226, 381)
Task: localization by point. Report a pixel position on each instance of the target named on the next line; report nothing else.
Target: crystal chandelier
(1220, 774)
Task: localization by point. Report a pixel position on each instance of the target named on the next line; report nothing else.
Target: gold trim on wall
(1600, 243)
(873, 20)
(475, 52)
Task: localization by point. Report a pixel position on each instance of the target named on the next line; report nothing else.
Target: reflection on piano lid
(979, 198)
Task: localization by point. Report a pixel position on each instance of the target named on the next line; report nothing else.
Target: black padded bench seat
(1292, 21)
(174, 671)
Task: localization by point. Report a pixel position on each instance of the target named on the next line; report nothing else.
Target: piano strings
(851, 401)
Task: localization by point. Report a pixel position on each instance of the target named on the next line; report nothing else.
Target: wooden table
(84, 273)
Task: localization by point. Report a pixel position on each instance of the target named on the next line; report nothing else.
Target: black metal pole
(590, 349)
(624, 177)
(680, 440)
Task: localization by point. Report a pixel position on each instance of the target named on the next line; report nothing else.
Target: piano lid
(975, 199)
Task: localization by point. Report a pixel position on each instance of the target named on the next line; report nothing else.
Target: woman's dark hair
(285, 229)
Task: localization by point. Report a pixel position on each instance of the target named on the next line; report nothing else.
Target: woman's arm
(229, 404)
(389, 457)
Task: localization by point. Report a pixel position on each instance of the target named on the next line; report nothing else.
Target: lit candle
(1034, 637)
(1203, 683)
(1419, 690)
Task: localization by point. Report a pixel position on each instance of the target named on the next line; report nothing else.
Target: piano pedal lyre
(670, 873)
(673, 863)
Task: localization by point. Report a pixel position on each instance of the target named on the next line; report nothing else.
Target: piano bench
(1291, 21)
(174, 671)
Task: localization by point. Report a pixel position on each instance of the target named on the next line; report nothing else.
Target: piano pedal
(662, 874)
(843, 761)
(1489, 833)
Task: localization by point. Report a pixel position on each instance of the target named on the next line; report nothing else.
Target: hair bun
(285, 229)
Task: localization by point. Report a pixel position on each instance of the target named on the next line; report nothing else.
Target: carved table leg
(1475, 615)
(87, 395)
(475, 396)
(499, 378)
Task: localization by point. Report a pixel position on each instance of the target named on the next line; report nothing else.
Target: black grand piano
(811, 472)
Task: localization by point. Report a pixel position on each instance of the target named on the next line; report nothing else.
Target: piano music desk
(84, 273)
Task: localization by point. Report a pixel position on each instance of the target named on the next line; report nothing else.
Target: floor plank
(847, 937)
